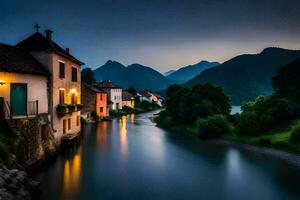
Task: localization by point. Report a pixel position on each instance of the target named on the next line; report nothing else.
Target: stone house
(94, 101)
(114, 93)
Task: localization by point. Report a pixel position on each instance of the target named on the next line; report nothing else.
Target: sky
(162, 34)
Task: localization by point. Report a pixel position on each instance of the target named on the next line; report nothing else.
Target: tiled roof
(107, 84)
(38, 42)
(13, 59)
(144, 93)
(91, 88)
(126, 96)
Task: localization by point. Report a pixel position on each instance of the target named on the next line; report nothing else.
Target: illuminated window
(62, 96)
(73, 98)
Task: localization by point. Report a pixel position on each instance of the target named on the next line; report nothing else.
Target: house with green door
(23, 84)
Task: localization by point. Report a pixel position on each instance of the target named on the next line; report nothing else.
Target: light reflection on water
(131, 158)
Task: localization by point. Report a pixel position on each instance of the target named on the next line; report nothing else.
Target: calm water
(130, 158)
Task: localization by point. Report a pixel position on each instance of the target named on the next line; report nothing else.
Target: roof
(38, 42)
(126, 96)
(16, 60)
(144, 93)
(107, 84)
(91, 88)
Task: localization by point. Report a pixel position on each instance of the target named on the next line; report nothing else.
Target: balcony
(63, 109)
(29, 110)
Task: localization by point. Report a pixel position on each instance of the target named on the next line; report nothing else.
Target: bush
(295, 136)
(247, 123)
(212, 127)
(164, 120)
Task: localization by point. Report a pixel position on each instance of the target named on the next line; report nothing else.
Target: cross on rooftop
(37, 27)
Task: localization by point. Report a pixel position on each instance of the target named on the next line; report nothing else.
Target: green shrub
(164, 120)
(247, 123)
(212, 127)
(295, 136)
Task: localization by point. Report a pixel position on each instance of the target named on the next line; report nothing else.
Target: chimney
(68, 50)
(48, 34)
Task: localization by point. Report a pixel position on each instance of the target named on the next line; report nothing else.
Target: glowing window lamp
(2, 82)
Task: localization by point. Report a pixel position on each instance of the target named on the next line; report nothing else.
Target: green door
(18, 99)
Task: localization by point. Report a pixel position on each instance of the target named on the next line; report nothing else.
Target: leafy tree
(88, 76)
(295, 137)
(286, 82)
(132, 90)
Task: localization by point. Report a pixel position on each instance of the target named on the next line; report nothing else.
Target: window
(101, 97)
(61, 96)
(64, 126)
(101, 109)
(74, 74)
(69, 124)
(77, 120)
(73, 98)
(61, 70)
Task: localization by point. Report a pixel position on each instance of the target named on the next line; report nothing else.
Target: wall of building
(88, 99)
(70, 88)
(36, 88)
(101, 101)
(116, 98)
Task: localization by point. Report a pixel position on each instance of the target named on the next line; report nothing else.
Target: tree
(88, 76)
(132, 90)
(286, 82)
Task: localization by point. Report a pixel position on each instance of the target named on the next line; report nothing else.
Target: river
(131, 158)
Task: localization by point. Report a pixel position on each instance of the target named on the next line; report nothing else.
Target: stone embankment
(16, 185)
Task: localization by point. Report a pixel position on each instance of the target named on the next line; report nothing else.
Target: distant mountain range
(135, 75)
(168, 72)
(247, 76)
(188, 72)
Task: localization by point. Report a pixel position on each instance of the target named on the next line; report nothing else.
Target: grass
(279, 140)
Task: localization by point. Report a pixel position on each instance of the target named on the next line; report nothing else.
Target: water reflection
(123, 138)
(101, 136)
(132, 118)
(71, 176)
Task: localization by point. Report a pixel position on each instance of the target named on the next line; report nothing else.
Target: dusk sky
(163, 34)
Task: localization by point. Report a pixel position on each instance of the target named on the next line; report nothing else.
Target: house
(146, 95)
(24, 101)
(64, 82)
(94, 101)
(114, 93)
(127, 99)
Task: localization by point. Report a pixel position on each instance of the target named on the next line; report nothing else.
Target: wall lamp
(2, 83)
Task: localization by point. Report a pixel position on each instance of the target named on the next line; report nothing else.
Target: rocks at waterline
(15, 185)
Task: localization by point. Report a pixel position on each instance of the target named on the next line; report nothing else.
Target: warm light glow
(73, 91)
(123, 138)
(2, 82)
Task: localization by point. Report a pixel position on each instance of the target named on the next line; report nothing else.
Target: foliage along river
(131, 158)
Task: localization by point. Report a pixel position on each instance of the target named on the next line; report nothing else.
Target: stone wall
(34, 140)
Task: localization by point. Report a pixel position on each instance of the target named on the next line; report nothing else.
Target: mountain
(188, 72)
(135, 75)
(169, 72)
(247, 76)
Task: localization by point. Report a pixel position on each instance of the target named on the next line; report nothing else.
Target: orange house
(101, 104)
(94, 100)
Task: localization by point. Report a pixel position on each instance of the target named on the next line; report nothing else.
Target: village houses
(39, 76)
(114, 93)
(127, 99)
